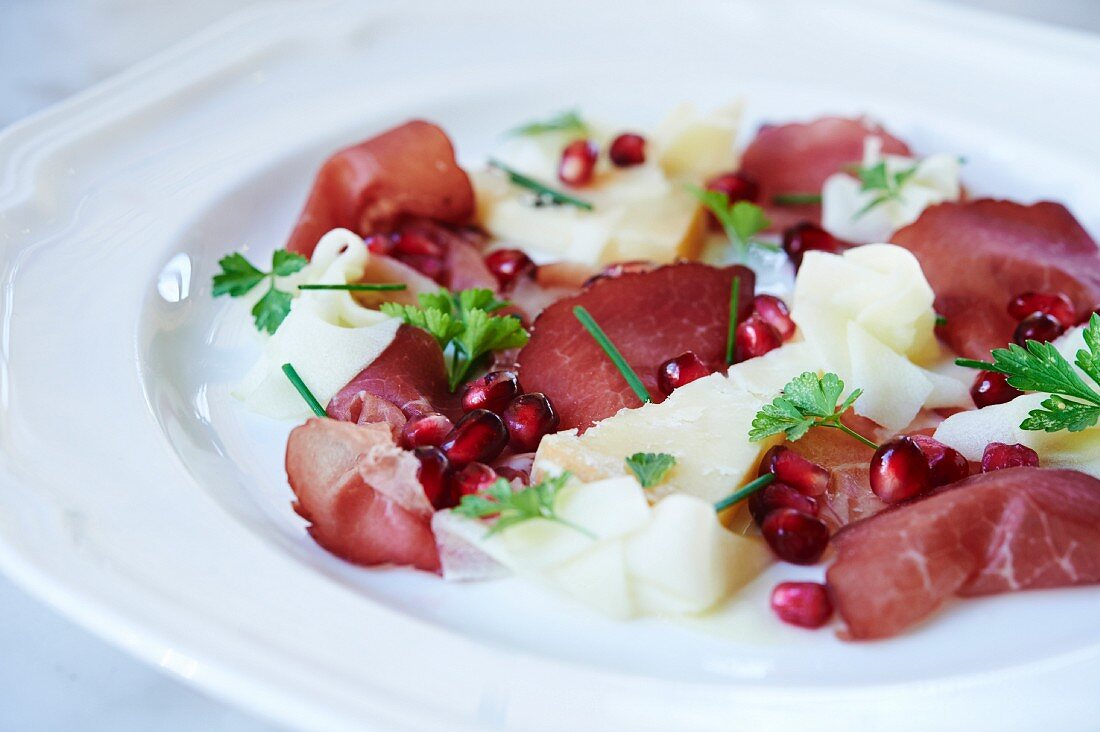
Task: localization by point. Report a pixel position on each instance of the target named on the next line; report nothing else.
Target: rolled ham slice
(409, 171)
(977, 255)
(360, 494)
(798, 157)
(1004, 531)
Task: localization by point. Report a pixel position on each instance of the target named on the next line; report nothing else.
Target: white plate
(139, 498)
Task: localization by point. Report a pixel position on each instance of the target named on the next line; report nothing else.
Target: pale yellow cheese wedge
(704, 425)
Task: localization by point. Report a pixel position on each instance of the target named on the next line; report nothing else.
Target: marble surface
(54, 675)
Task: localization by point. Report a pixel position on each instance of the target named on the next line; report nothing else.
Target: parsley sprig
(741, 221)
(1073, 404)
(650, 468)
(567, 121)
(238, 277)
(510, 507)
(806, 401)
(464, 323)
(885, 185)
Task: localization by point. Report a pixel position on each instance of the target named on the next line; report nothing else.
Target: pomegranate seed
(627, 149)
(478, 437)
(779, 495)
(1037, 327)
(432, 475)
(578, 163)
(426, 430)
(795, 537)
(1055, 304)
(791, 468)
(775, 313)
(991, 387)
(507, 265)
(805, 604)
(945, 464)
(472, 479)
(415, 243)
(529, 417)
(736, 186)
(998, 456)
(684, 369)
(807, 237)
(379, 244)
(493, 391)
(899, 470)
(754, 337)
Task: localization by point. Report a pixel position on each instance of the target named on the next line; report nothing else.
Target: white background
(53, 675)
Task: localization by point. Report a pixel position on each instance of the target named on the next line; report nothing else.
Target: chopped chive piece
(795, 199)
(941, 320)
(307, 395)
(744, 492)
(542, 191)
(608, 347)
(735, 302)
(358, 287)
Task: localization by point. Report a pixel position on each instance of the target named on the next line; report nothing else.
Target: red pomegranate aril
(472, 479)
(1055, 304)
(795, 537)
(736, 186)
(432, 475)
(1037, 327)
(413, 243)
(899, 471)
(791, 468)
(807, 237)
(529, 418)
(805, 604)
(478, 437)
(779, 495)
(754, 337)
(684, 369)
(627, 149)
(427, 430)
(775, 313)
(992, 387)
(945, 464)
(578, 163)
(508, 265)
(998, 456)
(493, 391)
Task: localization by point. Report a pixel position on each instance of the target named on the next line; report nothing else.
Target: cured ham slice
(978, 255)
(360, 494)
(410, 371)
(651, 317)
(404, 172)
(1009, 530)
(849, 497)
(798, 157)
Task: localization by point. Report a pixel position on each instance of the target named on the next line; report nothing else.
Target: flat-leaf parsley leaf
(650, 467)
(464, 323)
(238, 277)
(510, 507)
(1073, 404)
(741, 221)
(806, 401)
